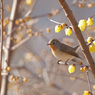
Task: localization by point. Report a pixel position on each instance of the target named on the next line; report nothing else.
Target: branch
(1, 40)
(20, 43)
(79, 35)
(66, 75)
(35, 17)
(8, 46)
(28, 13)
(89, 82)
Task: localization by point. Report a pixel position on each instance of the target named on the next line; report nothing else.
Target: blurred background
(31, 58)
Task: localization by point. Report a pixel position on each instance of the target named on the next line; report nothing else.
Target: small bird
(62, 52)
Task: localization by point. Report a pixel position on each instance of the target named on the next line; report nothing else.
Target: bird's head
(54, 43)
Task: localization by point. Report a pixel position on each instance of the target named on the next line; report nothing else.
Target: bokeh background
(33, 58)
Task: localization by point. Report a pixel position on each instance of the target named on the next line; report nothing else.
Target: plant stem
(1, 39)
(79, 35)
(8, 46)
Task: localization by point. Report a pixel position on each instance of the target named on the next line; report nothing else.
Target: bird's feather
(69, 50)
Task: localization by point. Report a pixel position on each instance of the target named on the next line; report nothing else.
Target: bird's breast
(61, 55)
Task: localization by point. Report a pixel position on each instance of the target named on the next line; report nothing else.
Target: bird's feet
(58, 62)
(66, 62)
(61, 60)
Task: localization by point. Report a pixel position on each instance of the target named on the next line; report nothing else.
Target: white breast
(61, 55)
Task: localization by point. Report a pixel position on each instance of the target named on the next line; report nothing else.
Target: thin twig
(34, 52)
(93, 16)
(71, 76)
(20, 43)
(29, 48)
(1, 6)
(28, 13)
(1, 30)
(89, 83)
(25, 40)
(54, 21)
(8, 46)
(1, 39)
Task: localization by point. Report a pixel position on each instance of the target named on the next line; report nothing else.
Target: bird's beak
(48, 44)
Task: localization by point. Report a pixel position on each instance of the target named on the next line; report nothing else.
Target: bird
(62, 52)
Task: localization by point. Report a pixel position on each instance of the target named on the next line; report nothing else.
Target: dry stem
(1, 40)
(79, 35)
(89, 83)
(8, 46)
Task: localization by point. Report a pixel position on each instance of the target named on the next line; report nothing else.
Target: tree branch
(89, 82)
(79, 35)
(8, 46)
(1, 39)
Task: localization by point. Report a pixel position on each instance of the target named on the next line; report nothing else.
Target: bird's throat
(52, 47)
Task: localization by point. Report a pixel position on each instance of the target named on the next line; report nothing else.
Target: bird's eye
(53, 42)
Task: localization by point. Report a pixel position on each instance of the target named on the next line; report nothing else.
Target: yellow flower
(86, 92)
(94, 42)
(9, 68)
(25, 79)
(29, 2)
(85, 68)
(90, 39)
(58, 28)
(27, 18)
(89, 21)
(28, 56)
(63, 25)
(92, 48)
(94, 86)
(6, 22)
(82, 24)
(80, 63)
(81, 69)
(68, 31)
(71, 69)
(17, 21)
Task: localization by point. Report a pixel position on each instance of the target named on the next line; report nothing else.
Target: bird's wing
(69, 50)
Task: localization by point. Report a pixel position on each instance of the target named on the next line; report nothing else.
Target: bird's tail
(76, 49)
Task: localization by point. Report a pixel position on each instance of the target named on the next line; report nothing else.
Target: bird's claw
(58, 62)
(66, 62)
(61, 60)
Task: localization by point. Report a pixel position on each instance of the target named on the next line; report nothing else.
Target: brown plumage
(62, 51)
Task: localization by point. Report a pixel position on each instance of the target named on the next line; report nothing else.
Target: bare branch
(8, 45)
(1, 40)
(20, 43)
(89, 82)
(78, 33)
